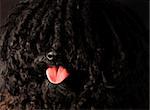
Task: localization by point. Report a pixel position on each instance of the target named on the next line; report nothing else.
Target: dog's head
(51, 57)
(57, 54)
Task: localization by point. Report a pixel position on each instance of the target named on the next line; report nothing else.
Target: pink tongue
(56, 76)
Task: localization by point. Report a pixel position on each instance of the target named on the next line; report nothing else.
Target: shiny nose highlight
(51, 55)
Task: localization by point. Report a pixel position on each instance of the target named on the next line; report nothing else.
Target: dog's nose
(55, 57)
(51, 55)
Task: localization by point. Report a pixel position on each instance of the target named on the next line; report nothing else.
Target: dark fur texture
(101, 45)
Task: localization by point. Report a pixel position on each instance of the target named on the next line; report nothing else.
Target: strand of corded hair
(68, 24)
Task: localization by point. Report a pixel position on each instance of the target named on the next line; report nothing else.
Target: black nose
(51, 55)
(54, 58)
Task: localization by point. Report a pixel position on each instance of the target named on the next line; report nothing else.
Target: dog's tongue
(56, 75)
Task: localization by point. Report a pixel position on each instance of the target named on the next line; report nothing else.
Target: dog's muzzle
(55, 73)
(52, 65)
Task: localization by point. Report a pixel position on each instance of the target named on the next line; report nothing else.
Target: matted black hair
(101, 44)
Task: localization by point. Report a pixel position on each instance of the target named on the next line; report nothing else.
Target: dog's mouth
(56, 74)
(59, 72)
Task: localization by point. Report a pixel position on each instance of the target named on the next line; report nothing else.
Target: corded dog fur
(103, 47)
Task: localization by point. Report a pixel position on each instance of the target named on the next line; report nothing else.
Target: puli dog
(73, 54)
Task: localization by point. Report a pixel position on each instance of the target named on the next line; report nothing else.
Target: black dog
(98, 45)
